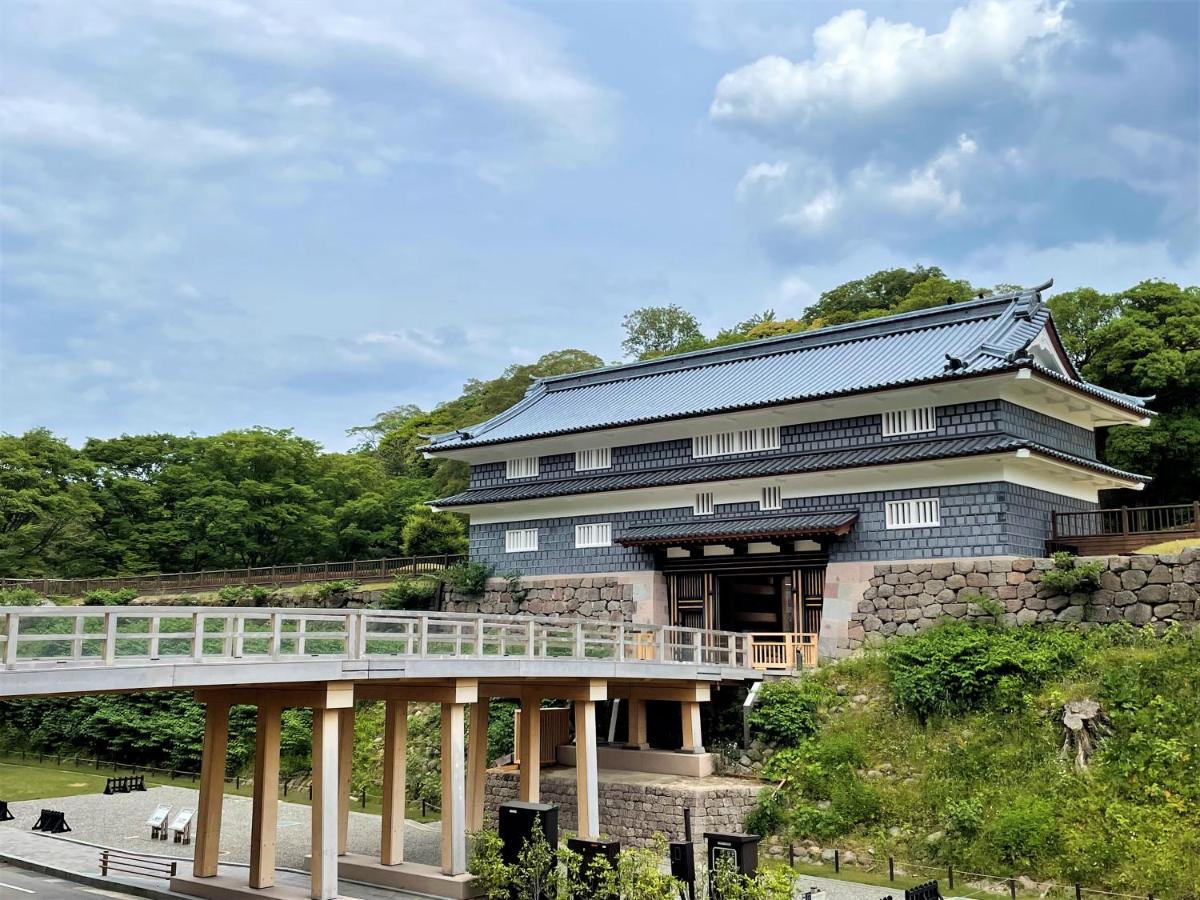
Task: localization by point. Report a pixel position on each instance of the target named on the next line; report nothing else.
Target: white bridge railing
(114, 636)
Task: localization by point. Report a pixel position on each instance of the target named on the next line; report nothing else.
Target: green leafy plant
(407, 592)
(20, 596)
(342, 586)
(492, 874)
(1070, 575)
(787, 710)
(246, 594)
(109, 598)
(468, 578)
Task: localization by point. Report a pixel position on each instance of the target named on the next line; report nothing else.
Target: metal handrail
(102, 636)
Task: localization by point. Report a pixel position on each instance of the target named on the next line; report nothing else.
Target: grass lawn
(31, 780)
(1170, 546)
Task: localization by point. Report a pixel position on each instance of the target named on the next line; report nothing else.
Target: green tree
(1153, 348)
(881, 290)
(47, 506)
(1079, 315)
(657, 330)
(428, 533)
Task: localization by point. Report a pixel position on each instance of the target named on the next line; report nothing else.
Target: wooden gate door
(692, 597)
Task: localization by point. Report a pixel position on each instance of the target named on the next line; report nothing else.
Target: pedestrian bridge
(327, 660)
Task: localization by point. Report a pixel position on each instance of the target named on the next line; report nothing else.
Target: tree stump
(1084, 724)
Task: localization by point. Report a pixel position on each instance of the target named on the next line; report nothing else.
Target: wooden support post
(530, 785)
(637, 725)
(212, 789)
(587, 786)
(477, 762)
(325, 805)
(265, 814)
(454, 801)
(692, 740)
(395, 772)
(345, 767)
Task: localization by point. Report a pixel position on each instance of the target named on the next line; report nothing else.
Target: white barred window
(923, 513)
(772, 498)
(704, 504)
(595, 458)
(520, 540)
(598, 534)
(522, 467)
(909, 421)
(747, 440)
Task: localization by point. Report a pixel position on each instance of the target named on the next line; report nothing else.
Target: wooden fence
(1101, 531)
(181, 582)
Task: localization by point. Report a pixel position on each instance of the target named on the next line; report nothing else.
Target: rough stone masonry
(904, 598)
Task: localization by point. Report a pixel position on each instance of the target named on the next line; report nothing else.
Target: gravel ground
(119, 821)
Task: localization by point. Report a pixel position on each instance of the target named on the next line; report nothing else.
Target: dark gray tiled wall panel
(988, 519)
(959, 420)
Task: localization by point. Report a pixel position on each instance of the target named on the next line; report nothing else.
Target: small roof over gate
(761, 528)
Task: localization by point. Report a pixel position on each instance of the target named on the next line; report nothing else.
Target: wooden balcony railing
(782, 651)
(1101, 531)
(358, 569)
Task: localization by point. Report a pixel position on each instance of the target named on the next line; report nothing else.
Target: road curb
(96, 881)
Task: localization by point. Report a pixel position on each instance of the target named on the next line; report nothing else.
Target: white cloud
(930, 187)
(874, 66)
(316, 96)
(762, 176)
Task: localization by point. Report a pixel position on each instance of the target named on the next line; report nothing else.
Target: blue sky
(223, 213)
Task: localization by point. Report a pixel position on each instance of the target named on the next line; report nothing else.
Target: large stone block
(1138, 613)
(1133, 579)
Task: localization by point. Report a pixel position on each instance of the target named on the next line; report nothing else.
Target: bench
(158, 822)
(52, 821)
(124, 784)
(181, 827)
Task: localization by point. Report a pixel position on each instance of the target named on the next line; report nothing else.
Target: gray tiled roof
(829, 460)
(748, 529)
(984, 336)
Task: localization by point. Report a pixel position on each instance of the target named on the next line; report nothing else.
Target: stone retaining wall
(904, 598)
(622, 596)
(635, 807)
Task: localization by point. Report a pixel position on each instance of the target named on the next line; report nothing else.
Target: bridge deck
(57, 650)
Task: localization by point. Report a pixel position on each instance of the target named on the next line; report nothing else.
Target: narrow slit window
(522, 467)
(917, 420)
(594, 458)
(597, 534)
(922, 513)
(745, 440)
(704, 504)
(521, 540)
(772, 498)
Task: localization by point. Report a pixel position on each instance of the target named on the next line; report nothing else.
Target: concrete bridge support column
(395, 788)
(212, 789)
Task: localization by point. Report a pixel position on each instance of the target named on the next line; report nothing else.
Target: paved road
(21, 884)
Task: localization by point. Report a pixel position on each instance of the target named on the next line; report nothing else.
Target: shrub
(20, 596)
(430, 533)
(957, 666)
(409, 593)
(1024, 831)
(787, 710)
(109, 598)
(1069, 575)
(334, 588)
(769, 814)
(467, 577)
(245, 594)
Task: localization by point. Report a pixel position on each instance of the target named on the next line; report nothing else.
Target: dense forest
(161, 502)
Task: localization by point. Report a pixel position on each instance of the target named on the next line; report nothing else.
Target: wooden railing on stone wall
(301, 573)
(1099, 532)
